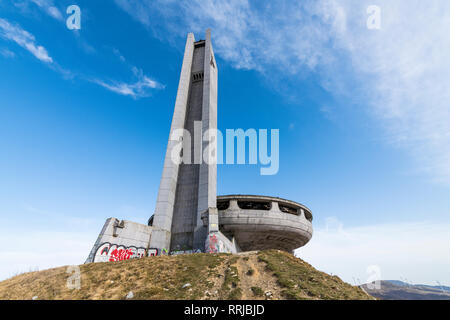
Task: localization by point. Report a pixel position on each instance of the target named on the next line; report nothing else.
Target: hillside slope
(269, 274)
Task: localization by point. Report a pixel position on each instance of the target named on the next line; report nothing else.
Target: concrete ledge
(256, 229)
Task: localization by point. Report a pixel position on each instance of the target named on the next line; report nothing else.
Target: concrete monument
(189, 217)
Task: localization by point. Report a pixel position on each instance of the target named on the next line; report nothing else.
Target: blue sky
(363, 118)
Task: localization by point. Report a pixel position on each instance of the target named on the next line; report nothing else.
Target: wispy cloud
(406, 77)
(6, 53)
(49, 7)
(140, 88)
(401, 72)
(119, 55)
(284, 34)
(24, 39)
(400, 250)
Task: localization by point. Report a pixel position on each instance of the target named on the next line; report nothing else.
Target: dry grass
(211, 276)
(299, 280)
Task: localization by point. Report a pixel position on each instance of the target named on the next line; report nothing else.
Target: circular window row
(264, 205)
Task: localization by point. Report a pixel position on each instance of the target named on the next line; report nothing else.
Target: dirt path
(252, 273)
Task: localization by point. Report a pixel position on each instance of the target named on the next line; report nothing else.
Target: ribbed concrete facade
(261, 222)
(187, 190)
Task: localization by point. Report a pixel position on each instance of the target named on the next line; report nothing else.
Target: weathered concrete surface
(265, 229)
(121, 235)
(207, 185)
(186, 196)
(217, 242)
(188, 189)
(165, 202)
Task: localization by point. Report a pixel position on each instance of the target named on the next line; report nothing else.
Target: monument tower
(188, 190)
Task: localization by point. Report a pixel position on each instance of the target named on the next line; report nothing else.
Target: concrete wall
(216, 242)
(189, 189)
(162, 222)
(121, 240)
(186, 196)
(207, 187)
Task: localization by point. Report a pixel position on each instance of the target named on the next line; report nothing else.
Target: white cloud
(415, 251)
(49, 7)
(408, 75)
(24, 39)
(247, 37)
(119, 55)
(6, 53)
(401, 72)
(139, 89)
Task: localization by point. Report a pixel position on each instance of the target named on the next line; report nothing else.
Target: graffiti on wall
(177, 252)
(152, 252)
(113, 252)
(215, 245)
(211, 246)
(120, 254)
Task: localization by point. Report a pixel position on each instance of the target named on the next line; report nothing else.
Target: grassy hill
(269, 274)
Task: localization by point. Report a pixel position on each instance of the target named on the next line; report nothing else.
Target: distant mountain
(399, 290)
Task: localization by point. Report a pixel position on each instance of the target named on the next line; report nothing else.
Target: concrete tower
(188, 190)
